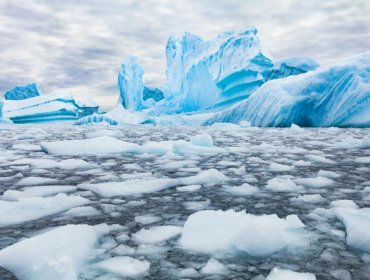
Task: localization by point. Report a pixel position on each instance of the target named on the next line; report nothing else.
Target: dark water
(327, 255)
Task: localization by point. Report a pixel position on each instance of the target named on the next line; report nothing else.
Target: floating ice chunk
(308, 198)
(82, 211)
(301, 163)
(277, 167)
(204, 140)
(26, 147)
(123, 250)
(213, 266)
(156, 234)
(220, 232)
(73, 163)
(343, 203)
(28, 209)
(320, 159)
(132, 187)
(190, 188)
(362, 159)
(328, 174)
(278, 184)
(242, 190)
(178, 164)
(93, 146)
(357, 223)
(317, 182)
(147, 219)
(31, 181)
(189, 273)
(13, 195)
(124, 266)
(106, 145)
(103, 132)
(57, 254)
(282, 274)
(197, 205)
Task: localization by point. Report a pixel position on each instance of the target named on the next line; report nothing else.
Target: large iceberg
(203, 75)
(338, 95)
(23, 92)
(47, 108)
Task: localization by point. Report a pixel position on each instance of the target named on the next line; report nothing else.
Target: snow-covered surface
(145, 226)
(335, 95)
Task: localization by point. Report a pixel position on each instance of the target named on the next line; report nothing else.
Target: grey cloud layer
(78, 46)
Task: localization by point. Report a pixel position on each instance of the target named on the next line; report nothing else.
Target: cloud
(78, 46)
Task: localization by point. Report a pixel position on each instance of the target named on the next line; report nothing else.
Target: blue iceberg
(338, 95)
(152, 93)
(131, 86)
(23, 92)
(207, 75)
(48, 108)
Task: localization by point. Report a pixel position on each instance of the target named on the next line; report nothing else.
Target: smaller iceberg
(23, 92)
(48, 108)
(131, 86)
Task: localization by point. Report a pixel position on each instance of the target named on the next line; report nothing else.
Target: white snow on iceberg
(229, 232)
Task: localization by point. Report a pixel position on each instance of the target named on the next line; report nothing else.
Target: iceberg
(337, 95)
(48, 108)
(23, 92)
(204, 75)
(130, 84)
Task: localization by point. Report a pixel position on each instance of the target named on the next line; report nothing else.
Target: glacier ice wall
(203, 75)
(23, 92)
(48, 108)
(131, 86)
(338, 95)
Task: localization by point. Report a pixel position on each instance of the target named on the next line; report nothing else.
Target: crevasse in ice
(337, 95)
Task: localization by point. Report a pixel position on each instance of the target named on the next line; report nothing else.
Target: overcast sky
(77, 46)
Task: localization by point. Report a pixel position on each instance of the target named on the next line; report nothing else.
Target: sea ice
(283, 274)
(156, 234)
(28, 209)
(124, 266)
(223, 232)
(57, 254)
